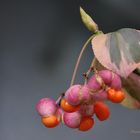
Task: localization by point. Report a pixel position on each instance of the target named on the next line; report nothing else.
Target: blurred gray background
(39, 44)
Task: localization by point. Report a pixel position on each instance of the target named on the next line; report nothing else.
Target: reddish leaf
(118, 51)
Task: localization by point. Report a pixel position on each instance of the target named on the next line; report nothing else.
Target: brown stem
(59, 98)
(78, 62)
(79, 58)
(76, 67)
(91, 68)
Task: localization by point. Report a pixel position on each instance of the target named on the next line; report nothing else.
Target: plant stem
(76, 67)
(79, 58)
(91, 68)
(59, 98)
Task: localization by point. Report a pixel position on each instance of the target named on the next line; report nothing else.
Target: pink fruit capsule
(72, 96)
(72, 120)
(46, 107)
(84, 94)
(111, 79)
(116, 82)
(95, 83)
(100, 96)
(106, 75)
(77, 94)
(86, 110)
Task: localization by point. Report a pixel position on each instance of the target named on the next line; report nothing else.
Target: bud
(88, 21)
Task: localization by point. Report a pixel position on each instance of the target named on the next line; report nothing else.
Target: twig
(91, 68)
(79, 58)
(60, 98)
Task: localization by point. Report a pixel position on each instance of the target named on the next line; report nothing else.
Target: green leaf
(88, 21)
(118, 51)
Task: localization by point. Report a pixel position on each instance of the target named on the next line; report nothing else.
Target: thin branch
(91, 68)
(60, 98)
(79, 58)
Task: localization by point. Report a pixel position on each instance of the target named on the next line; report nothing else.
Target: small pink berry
(116, 82)
(111, 79)
(77, 94)
(72, 120)
(46, 107)
(72, 96)
(84, 94)
(106, 75)
(94, 84)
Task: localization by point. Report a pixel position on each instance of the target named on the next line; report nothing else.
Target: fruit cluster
(81, 102)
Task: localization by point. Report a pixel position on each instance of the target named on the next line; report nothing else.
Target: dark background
(39, 45)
